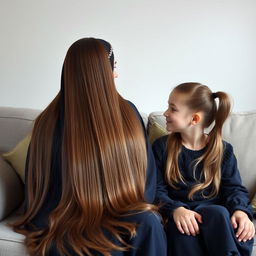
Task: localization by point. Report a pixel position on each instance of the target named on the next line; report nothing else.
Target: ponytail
(222, 111)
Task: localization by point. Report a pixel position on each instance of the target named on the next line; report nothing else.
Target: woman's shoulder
(138, 114)
(135, 109)
(132, 105)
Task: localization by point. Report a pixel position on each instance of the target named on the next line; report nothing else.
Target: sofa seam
(17, 118)
(8, 240)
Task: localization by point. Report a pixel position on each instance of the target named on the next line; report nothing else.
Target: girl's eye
(172, 109)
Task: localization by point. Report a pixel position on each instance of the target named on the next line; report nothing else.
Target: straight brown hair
(103, 159)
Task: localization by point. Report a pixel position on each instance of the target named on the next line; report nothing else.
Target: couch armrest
(11, 189)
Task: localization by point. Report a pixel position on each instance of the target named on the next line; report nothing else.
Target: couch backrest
(240, 131)
(15, 123)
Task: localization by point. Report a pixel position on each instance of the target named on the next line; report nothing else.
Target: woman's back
(87, 162)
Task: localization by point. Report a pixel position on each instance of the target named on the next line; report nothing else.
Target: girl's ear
(196, 118)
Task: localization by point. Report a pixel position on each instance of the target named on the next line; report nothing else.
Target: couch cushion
(11, 243)
(239, 130)
(17, 156)
(15, 124)
(144, 117)
(156, 131)
(156, 117)
(11, 189)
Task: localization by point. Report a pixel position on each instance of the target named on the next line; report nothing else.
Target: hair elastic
(214, 95)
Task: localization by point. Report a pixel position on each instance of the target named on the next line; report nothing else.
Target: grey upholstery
(15, 123)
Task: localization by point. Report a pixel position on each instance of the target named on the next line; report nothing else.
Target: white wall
(157, 44)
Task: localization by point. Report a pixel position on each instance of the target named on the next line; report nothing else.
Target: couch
(16, 123)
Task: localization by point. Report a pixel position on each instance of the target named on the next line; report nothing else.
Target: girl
(199, 186)
(90, 173)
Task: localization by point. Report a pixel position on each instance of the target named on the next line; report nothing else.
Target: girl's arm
(233, 194)
(167, 205)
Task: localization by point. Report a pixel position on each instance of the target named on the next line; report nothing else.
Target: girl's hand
(186, 221)
(245, 227)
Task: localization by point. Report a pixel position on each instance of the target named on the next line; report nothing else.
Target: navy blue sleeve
(233, 194)
(167, 204)
(150, 188)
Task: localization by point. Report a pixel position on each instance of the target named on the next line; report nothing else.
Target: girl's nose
(165, 113)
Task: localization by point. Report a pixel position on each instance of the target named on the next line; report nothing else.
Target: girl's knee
(145, 219)
(214, 211)
(150, 236)
(149, 218)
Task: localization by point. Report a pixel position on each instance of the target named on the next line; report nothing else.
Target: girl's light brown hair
(103, 160)
(200, 98)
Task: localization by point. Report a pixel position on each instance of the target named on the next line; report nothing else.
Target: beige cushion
(254, 204)
(17, 157)
(156, 131)
(240, 131)
(11, 189)
(156, 117)
(156, 126)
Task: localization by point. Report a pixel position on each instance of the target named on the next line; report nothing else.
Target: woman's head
(87, 76)
(109, 50)
(88, 56)
(195, 103)
(111, 57)
(88, 59)
(85, 46)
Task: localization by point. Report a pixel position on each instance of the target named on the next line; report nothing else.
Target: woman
(90, 174)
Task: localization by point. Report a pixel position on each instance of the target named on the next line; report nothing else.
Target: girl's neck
(194, 140)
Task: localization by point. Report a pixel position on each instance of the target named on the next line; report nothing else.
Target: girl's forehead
(177, 97)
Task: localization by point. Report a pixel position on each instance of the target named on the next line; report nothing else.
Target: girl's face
(178, 115)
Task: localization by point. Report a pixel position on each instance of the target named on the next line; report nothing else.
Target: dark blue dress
(217, 236)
